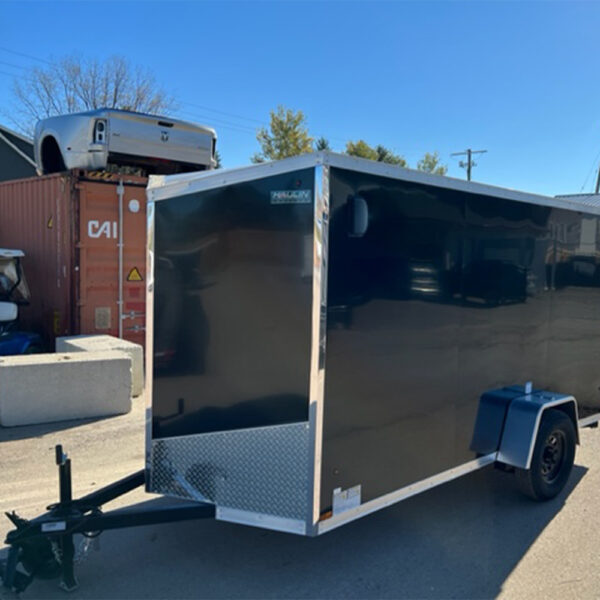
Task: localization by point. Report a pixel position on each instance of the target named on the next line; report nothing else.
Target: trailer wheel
(552, 460)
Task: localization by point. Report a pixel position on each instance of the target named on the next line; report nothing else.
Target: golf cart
(14, 292)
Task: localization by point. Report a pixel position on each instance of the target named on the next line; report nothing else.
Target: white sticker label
(291, 197)
(56, 526)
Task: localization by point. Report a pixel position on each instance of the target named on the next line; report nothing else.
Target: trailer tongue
(44, 547)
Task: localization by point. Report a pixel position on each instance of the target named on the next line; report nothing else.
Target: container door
(35, 217)
(99, 302)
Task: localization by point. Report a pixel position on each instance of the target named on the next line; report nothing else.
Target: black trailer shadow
(461, 540)
(24, 432)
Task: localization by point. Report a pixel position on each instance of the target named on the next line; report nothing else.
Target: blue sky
(518, 79)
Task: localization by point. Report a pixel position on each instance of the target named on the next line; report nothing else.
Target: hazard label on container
(135, 275)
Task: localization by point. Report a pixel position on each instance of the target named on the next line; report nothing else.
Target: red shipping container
(69, 227)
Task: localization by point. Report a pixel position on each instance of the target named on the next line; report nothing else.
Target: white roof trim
(161, 187)
(168, 186)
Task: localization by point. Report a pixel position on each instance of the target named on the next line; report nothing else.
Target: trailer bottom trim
(266, 521)
(403, 493)
(590, 421)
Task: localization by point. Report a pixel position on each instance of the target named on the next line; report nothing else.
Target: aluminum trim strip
(264, 521)
(587, 421)
(405, 492)
(319, 335)
(161, 187)
(343, 161)
(167, 186)
(149, 368)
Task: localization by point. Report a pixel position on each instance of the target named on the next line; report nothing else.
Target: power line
(12, 65)
(470, 163)
(222, 112)
(222, 123)
(595, 162)
(15, 75)
(217, 121)
(25, 55)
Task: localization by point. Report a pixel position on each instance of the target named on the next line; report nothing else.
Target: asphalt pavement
(475, 537)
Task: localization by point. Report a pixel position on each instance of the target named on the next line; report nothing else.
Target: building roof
(592, 200)
(19, 143)
(16, 155)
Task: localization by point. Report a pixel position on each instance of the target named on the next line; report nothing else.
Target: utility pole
(597, 190)
(470, 163)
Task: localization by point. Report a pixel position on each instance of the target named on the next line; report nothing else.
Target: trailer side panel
(446, 296)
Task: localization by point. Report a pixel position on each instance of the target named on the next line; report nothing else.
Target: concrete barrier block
(43, 388)
(96, 343)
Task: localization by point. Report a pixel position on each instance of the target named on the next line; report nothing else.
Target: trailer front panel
(232, 344)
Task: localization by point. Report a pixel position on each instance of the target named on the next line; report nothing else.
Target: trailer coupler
(44, 547)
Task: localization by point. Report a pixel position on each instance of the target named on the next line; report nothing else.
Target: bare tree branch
(75, 84)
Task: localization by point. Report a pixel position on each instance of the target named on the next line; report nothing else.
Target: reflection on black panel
(232, 306)
(445, 296)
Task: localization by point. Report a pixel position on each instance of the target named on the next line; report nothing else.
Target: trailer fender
(491, 415)
(508, 420)
(523, 421)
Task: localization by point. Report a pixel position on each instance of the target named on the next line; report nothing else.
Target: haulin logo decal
(291, 197)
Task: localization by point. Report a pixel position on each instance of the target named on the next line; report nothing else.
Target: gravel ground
(475, 537)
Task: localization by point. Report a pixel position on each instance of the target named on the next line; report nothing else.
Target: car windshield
(13, 285)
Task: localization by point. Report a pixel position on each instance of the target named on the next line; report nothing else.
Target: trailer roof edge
(161, 187)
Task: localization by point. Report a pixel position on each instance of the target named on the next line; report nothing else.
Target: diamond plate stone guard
(263, 470)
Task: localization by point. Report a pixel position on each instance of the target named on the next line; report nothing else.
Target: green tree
(430, 163)
(218, 160)
(361, 149)
(380, 153)
(387, 156)
(286, 136)
(322, 143)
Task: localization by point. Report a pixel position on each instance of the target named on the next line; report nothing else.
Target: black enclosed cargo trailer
(328, 333)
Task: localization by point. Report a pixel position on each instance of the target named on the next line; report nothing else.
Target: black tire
(553, 457)
(33, 349)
